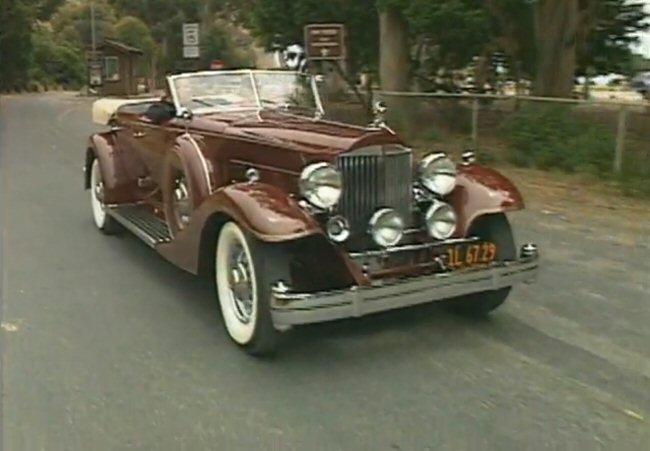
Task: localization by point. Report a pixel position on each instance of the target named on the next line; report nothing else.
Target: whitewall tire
(103, 221)
(244, 271)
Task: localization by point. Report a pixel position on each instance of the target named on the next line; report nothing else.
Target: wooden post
(475, 108)
(620, 140)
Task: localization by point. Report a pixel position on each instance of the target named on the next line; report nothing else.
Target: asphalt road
(108, 347)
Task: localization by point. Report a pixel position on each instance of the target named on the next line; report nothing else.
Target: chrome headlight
(321, 184)
(441, 220)
(438, 173)
(386, 227)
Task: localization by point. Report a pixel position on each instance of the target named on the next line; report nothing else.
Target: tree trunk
(556, 24)
(394, 63)
(393, 51)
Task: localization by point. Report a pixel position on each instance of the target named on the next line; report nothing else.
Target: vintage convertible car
(299, 219)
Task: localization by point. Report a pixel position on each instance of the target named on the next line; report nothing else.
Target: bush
(56, 62)
(554, 137)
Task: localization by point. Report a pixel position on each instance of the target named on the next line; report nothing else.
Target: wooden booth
(118, 68)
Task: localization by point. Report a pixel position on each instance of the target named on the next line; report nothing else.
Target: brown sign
(325, 41)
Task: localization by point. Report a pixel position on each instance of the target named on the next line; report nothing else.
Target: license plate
(470, 255)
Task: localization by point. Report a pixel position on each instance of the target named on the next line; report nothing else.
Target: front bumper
(290, 309)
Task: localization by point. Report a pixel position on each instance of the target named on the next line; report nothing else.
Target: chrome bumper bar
(290, 309)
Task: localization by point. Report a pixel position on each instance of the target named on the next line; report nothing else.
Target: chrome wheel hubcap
(182, 201)
(240, 284)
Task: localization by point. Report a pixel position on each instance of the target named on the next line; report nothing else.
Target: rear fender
(482, 191)
(119, 186)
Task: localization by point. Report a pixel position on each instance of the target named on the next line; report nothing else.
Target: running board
(146, 226)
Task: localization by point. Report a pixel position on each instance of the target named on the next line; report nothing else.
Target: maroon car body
(173, 172)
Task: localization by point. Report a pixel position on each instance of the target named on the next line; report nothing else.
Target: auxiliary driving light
(386, 227)
(441, 220)
(338, 229)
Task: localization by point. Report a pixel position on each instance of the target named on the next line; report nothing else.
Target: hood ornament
(379, 121)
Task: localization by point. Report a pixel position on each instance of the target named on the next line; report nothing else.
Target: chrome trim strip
(290, 309)
(204, 163)
(412, 247)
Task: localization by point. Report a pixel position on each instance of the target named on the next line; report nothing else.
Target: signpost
(95, 65)
(325, 41)
(191, 41)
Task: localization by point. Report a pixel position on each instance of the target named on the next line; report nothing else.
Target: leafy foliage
(611, 31)
(554, 137)
(72, 23)
(281, 22)
(15, 44)
(55, 61)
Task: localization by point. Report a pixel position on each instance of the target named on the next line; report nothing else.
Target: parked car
(298, 219)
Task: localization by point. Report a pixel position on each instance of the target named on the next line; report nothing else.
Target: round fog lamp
(441, 220)
(386, 227)
(338, 229)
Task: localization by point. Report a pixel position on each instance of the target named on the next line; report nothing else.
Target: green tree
(610, 29)
(72, 22)
(134, 32)
(15, 44)
(282, 22)
(56, 61)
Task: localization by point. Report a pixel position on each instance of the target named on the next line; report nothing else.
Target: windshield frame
(171, 82)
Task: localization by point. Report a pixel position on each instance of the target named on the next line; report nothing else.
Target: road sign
(325, 41)
(191, 51)
(190, 34)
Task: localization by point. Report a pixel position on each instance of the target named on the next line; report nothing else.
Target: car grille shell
(375, 177)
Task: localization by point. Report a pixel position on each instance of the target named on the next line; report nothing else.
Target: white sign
(191, 51)
(190, 34)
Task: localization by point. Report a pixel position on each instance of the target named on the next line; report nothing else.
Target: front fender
(480, 191)
(266, 211)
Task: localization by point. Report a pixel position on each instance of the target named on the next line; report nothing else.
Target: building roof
(119, 46)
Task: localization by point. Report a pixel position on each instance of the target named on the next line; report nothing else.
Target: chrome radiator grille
(375, 177)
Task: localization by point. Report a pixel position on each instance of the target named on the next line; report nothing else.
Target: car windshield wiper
(270, 105)
(203, 102)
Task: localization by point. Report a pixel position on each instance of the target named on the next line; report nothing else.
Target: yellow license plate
(470, 255)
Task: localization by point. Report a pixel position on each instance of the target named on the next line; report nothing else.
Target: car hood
(301, 133)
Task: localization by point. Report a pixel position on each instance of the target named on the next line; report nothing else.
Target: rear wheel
(495, 228)
(105, 223)
(245, 270)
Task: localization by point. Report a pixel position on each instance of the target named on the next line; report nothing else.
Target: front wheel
(245, 270)
(496, 229)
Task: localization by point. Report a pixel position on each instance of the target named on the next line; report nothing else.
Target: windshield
(245, 90)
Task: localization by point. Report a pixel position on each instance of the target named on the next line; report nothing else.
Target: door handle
(138, 134)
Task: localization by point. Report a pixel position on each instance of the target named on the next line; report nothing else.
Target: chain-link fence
(607, 138)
